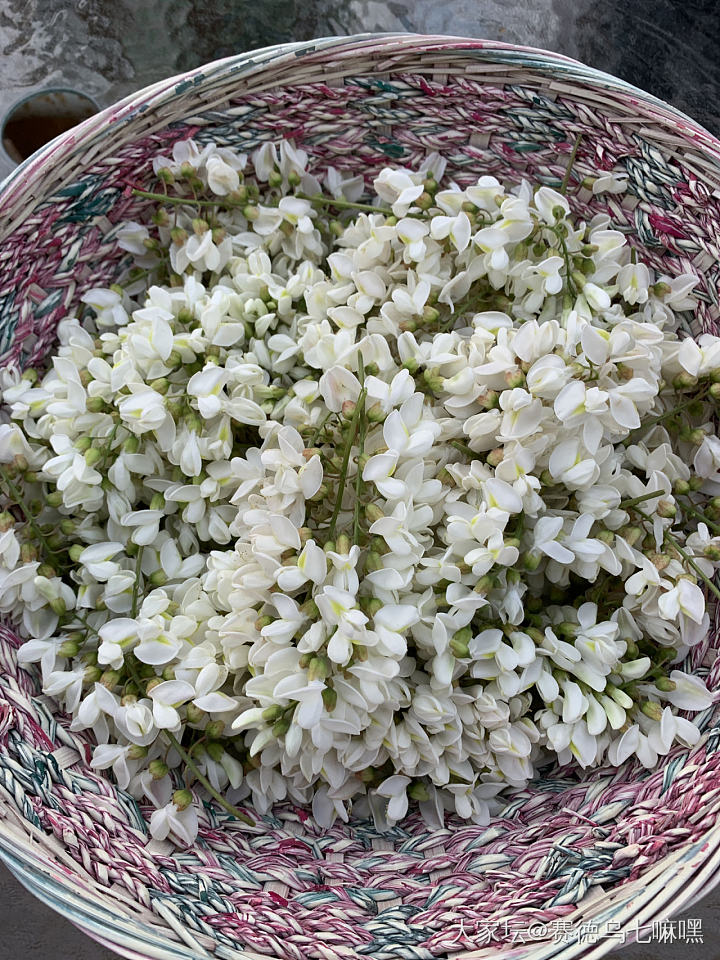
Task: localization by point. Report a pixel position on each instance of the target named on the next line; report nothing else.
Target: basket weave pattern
(602, 847)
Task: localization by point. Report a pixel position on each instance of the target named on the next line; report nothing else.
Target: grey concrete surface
(109, 48)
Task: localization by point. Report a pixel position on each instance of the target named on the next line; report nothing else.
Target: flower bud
(531, 561)
(433, 381)
(281, 727)
(666, 509)
(215, 750)
(320, 493)
(136, 752)
(110, 679)
(273, 713)
(310, 609)
(665, 684)
(684, 381)
(28, 552)
(95, 404)
(342, 544)
(495, 457)
(661, 289)
(92, 674)
(215, 729)
(182, 798)
(633, 535)
(695, 483)
(370, 605)
(319, 668)
(429, 315)
(373, 561)
(329, 698)
(158, 769)
(424, 201)
(489, 400)
(484, 584)
(152, 683)
(58, 606)
(411, 364)
(514, 378)
(158, 578)
(681, 487)
(193, 714)
(348, 409)
(251, 212)
(712, 552)
(373, 512)
(418, 791)
(376, 414)
(69, 648)
(93, 456)
(652, 709)
(7, 521)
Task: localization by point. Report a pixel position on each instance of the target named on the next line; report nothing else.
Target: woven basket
(574, 864)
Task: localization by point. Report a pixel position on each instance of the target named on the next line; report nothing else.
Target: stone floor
(109, 49)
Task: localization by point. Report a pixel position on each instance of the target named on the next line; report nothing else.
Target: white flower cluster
(362, 504)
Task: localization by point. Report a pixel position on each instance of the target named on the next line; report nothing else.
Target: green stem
(361, 446)
(464, 448)
(345, 461)
(319, 429)
(670, 539)
(344, 204)
(638, 431)
(688, 508)
(190, 764)
(136, 585)
(186, 201)
(626, 504)
(20, 502)
(570, 165)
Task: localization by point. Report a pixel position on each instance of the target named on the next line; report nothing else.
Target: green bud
(514, 378)
(30, 374)
(310, 609)
(373, 561)
(348, 409)
(495, 457)
(251, 212)
(370, 605)
(433, 380)
(329, 697)
(319, 668)
(69, 648)
(215, 729)
(262, 622)
(681, 487)
(158, 769)
(110, 679)
(168, 672)
(430, 315)
(373, 512)
(424, 201)
(684, 381)
(157, 501)
(661, 289)
(652, 709)
(695, 483)
(194, 714)
(484, 584)
(320, 494)
(131, 444)
(531, 561)
(665, 684)
(95, 404)
(376, 414)
(93, 456)
(67, 526)
(136, 752)
(152, 683)
(182, 798)
(215, 750)
(281, 727)
(92, 674)
(342, 544)
(58, 606)
(411, 364)
(83, 444)
(418, 791)
(7, 521)
(158, 578)
(273, 713)
(161, 385)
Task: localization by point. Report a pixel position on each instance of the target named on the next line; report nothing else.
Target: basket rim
(156, 95)
(673, 883)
